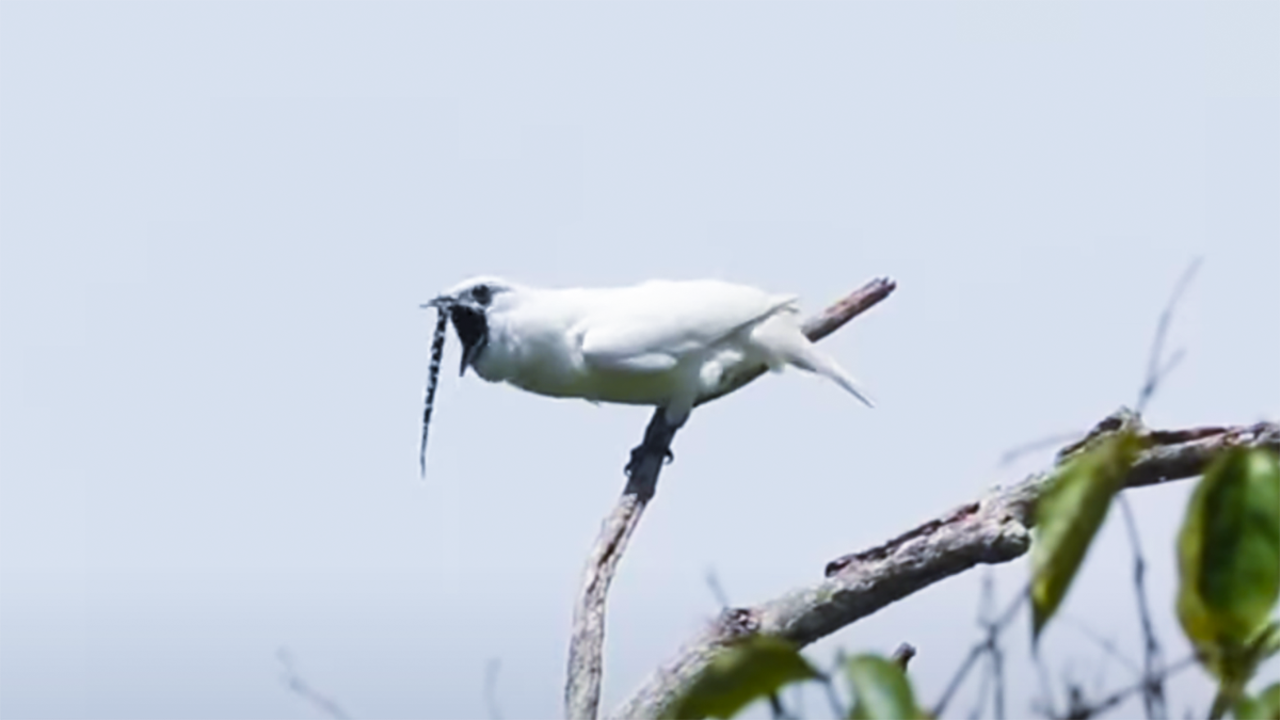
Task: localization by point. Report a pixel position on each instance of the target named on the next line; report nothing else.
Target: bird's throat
(473, 331)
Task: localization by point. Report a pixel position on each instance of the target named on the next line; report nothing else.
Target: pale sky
(218, 221)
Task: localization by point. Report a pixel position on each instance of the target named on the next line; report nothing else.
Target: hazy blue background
(218, 221)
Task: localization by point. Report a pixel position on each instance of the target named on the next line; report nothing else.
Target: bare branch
(979, 705)
(582, 690)
(1046, 705)
(491, 688)
(987, 646)
(777, 711)
(1153, 688)
(1106, 644)
(1014, 454)
(1157, 367)
(294, 681)
(717, 590)
(838, 710)
(582, 687)
(1078, 709)
(994, 654)
(993, 529)
(975, 654)
(902, 656)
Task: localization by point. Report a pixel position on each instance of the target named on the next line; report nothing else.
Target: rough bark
(993, 529)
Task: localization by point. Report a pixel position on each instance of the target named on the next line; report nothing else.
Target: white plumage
(660, 343)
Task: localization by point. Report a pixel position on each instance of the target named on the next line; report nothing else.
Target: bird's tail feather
(826, 366)
(785, 344)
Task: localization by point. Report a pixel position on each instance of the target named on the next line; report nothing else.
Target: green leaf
(1229, 561)
(1247, 709)
(880, 689)
(1268, 642)
(1263, 707)
(1069, 514)
(747, 671)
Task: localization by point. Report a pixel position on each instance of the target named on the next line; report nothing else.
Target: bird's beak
(468, 322)
(449, 302)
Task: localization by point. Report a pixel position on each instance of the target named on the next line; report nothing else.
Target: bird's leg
(656, 444)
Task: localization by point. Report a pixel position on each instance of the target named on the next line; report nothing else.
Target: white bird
(661, 343)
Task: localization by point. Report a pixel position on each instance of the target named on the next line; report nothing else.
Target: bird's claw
(638, 453)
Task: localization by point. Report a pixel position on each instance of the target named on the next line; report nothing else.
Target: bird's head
(468, 304)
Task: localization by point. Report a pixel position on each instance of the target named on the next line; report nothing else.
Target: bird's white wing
(651, 327)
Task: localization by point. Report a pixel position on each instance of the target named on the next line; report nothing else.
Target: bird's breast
(531, 353)
(550, 362)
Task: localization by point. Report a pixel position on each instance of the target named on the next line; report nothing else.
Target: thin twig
(980, 703)
(295, 682)
(1014, 454)
(975, 653)
(491, 688)
(1108, 647)
(777, 710)
(717, 590)
(981, 648)
(1080, 710)
(1046, 687)
(1157, 369)
(996, 657)
(902, 655)
(997, 663)
(797, 696)
(989, 675)
(1227, 696)
(1153, 694)
(838, 710)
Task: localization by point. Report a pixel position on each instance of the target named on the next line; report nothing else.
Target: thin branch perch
(994, 529)
(582, 688)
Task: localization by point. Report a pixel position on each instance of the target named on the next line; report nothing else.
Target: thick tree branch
(993, 529)
(582, 688)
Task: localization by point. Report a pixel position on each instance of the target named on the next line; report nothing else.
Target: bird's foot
(648, 457)
(639, 452)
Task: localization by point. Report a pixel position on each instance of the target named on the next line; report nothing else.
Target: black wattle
(473, 331)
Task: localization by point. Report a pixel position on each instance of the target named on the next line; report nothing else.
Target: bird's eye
(482, 294)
